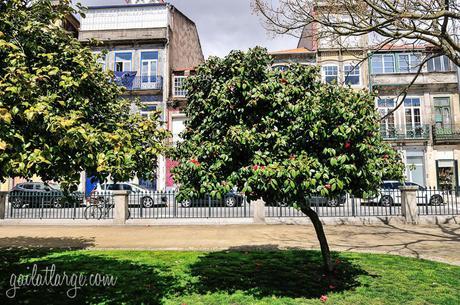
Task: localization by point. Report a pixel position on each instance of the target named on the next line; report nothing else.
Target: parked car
(231, 199)
(314, 201)
(389, 194)
(138, 195)
(39, 194)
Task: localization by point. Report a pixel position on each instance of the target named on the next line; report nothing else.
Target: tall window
(123, 62)
(179, 88)
(351, 74)
(413, 117)
(149, 65)
(331, 74)
(101, 59)
(383, 63)
(439, 64)
(387, 126)
(408, 62)
(442, 112)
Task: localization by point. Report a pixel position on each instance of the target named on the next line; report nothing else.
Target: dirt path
(437, 242)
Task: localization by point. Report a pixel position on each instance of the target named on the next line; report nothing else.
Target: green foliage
(59, 113)
(277, 134)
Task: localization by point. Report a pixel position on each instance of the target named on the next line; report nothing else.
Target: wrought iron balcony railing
(132, 82)
(447, 132)
(405, 132)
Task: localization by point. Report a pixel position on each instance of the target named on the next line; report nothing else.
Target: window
(383, 63)
(351, 74)
(149, 63)
(179, 86)
(413, 117)
(439, 64)
(28, 186)
(441, 112)
(408, 62)
(387, 126)
(123, 62)
(101, 59)
(330, 74)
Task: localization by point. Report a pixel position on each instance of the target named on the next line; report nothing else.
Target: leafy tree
(60, 114)
(279, 136)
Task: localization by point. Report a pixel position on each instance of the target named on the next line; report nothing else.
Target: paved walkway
(437, 242)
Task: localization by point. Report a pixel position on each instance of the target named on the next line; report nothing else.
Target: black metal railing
(433, 201)
(157, 205)
(140, 82)
(405, 132)
(57, 205)
(449, 132)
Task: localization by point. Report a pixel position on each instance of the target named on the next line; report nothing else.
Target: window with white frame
(330, 73)
(179, 86)
(123, 61)
(413, 116)
(382, 63)
(352, 74)
(439, 64)
(408, 62)
(101, 59)
(149, 65)
(387, 126)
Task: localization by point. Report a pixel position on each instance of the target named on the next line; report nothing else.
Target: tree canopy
(60, 114)
(278, 134)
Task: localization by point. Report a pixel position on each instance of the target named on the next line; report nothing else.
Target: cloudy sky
(223, 25)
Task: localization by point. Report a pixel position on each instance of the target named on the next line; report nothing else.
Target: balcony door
(412, 111)
(442, 112)
(387, 126)
(149, 68)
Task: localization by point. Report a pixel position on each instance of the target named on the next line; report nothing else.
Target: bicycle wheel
(93, 212)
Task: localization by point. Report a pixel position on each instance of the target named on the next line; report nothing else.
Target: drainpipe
(369, 78)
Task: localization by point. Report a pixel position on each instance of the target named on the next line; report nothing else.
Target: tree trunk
(326, 253)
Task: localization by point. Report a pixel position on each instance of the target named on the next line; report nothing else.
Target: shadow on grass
(135, 283)
(271, 272)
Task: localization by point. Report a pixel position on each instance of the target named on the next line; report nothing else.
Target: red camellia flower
(323, 298)
(347, 145)
(262, 167)
(385, 157)
(255, 167)
(328, 186)
(194, 161)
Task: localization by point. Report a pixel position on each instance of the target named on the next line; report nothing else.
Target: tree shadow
(136, 283)
(264, 271)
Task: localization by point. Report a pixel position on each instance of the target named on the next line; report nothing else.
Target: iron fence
(432, 201)
(158, 205)
(56, 205)
(387, 203)
(165, 205)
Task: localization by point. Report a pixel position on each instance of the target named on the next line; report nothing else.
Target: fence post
(120, 199)
(258, 211)
(2, 204)
(409, 204)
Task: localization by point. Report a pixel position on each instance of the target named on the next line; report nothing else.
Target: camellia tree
(60, 114)
(279, 136)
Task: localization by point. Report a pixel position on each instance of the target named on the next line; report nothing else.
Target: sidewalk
(436, 242)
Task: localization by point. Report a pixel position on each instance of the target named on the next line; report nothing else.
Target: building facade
(425, 128)
(143, 43)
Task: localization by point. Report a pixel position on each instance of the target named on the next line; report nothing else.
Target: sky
(223, 25)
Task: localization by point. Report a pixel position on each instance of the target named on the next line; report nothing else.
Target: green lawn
(235, 278)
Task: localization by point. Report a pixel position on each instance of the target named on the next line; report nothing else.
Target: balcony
(406, 133)
(447, 133)
(131, 82)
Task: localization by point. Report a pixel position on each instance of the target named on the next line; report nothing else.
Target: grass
(290, 277)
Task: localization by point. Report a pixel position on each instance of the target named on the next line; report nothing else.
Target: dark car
(39, 194)
(231, 199)
(314, 201)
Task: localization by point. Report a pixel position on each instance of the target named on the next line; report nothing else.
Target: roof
(125, 5)
(291, 51)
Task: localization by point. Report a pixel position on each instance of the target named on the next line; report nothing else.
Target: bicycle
(100, 208)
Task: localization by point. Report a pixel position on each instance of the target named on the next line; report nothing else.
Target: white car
(138, 195)
(390, 194)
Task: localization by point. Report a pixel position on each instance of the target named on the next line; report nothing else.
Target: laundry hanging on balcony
(125, 78)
